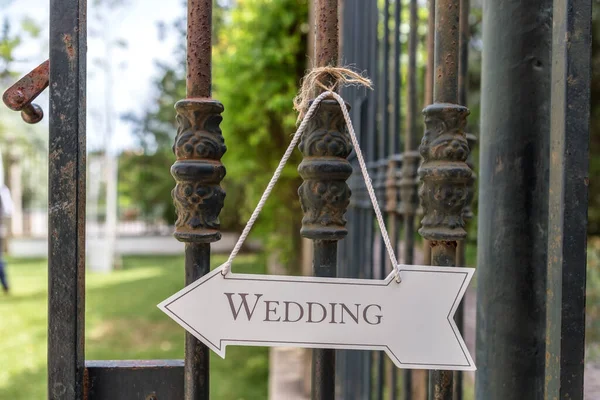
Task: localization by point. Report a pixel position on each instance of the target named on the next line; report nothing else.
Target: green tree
(259, 57)
(259, 60)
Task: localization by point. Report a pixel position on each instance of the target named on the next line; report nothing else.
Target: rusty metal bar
(327, 42)
(19, 96)
(325, 228)
(569, 177)
(445, 79)
(463, 90)
(66, 200)
(199, 48)
(429, 90)
(444, 172)
(430, 50)
(198, 171)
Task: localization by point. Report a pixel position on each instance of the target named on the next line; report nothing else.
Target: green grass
(122, 322)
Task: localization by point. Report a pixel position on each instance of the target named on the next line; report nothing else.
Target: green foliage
(144, 181)
(259, 60)
(259, 57)
(122, 322)
(8, 44)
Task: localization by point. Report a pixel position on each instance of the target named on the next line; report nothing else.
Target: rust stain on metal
(70, 49)
(19, 96)
(86, 384)
(199, 48)
(26, 89)
(443, 385)
(327, 37)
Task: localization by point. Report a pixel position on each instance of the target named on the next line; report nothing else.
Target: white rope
(285, 158)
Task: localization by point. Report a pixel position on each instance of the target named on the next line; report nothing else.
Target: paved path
(286, 374)
(125, 245)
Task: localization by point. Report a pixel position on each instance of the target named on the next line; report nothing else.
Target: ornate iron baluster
(324, 194)
(444, 172)
(198, 171)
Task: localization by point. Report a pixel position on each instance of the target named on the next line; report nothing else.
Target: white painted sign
(411, 321)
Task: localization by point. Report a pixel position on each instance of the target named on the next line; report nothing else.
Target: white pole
(110, 231)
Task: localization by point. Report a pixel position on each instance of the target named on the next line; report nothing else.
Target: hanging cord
(306, 118)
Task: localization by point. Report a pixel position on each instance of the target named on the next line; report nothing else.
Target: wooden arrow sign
(412, 321)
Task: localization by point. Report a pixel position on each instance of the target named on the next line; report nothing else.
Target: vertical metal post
(380, 167)
(444, 172)
(324, 170)
(408, 182)
(66, 200)
(420, 381)
(392, 192)
(429, 91)
(513, 199)
(569, 152)
(463, 91)
(198, 171)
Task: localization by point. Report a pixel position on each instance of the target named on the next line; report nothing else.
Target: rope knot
(328, 79)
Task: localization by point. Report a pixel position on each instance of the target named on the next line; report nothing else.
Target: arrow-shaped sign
(412, 321)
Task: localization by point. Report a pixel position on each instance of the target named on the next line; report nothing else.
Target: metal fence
(386, 119)
(388, 123)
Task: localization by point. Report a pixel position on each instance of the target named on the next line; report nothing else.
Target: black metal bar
(325, 260)
(198, 171)
(513, 199)
(197, 355)
(392, 197)
(380, 170)
(66, 200)
(385, 80)
(391, 182)
(408, 183)
(396, 80)
(569, 152)
(138, 379)
(444, 172)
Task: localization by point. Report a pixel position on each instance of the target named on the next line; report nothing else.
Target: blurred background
(136, 72)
